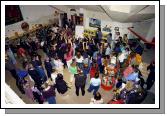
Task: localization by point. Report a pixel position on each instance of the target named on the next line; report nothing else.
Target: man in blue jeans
(94, 83)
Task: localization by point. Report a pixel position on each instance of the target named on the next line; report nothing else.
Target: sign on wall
(94, 23)
(79, 31)
(107, 28)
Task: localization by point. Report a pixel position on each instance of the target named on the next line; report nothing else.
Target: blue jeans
(51, 100)
(95, 88)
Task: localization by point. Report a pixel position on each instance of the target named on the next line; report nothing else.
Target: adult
(151, 77)
(79, 60)
(109, 38)
(94, 83)
(72, 70)
(10, 54)
(80, 81)
(69, 55)
(49, 94)
(48, 67)
(35, 76)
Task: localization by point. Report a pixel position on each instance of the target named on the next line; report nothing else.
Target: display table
(108, 83)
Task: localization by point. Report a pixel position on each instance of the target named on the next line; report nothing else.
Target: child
(97, 99)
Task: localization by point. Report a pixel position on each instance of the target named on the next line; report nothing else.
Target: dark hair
(99, 29)
(97, 96)
(118, 97)
(59, 76)
(97, 75)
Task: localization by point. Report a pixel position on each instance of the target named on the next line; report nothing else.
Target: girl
(72, 70)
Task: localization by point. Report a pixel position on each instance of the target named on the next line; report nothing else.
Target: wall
(145, 28)
(34, 14)
(105, 20)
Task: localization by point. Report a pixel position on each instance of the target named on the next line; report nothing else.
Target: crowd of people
(88, 58)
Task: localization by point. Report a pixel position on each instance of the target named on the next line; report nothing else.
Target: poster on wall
(79, 31)
(94, 23)
(12, 14)
(116, 29)
(107, 28)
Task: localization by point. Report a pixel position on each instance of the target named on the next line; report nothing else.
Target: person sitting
(60, 84)
(97, 99)
(49, 94)
(116, 100)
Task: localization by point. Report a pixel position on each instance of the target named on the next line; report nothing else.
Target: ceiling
(122, 13)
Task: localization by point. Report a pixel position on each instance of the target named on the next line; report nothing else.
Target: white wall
(34, 14)
(11, 97)
(105, 20)
(145, 28)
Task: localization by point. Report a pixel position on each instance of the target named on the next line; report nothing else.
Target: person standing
(151, 77)
(109, 38)
(10, 54)
(48, 67)
(72, 70)
(11, 68)
(94, 83)
(80, 81)
(69, 55)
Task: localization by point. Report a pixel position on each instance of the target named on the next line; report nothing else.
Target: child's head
(97, 96)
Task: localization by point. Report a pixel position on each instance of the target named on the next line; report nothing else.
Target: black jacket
(80, 80)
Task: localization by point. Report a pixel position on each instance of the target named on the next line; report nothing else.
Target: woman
(49, 94)
(79, 60)
(94, 68)
(72, 70)
(69, 55)
(94, 83)
(97, 99)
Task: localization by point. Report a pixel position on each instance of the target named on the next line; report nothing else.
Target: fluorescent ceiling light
(120, 8)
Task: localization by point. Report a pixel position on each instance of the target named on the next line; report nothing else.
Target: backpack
(61, 86)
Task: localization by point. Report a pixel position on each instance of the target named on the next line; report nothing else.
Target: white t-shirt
(54, 29)
(93, 101)
(95, 82)
(58, 63)
(79, 60)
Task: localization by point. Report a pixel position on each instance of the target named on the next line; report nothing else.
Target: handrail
(140, 37)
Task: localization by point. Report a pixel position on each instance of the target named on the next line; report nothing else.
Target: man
(151, 77)
(99, 36)
(80, 81)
